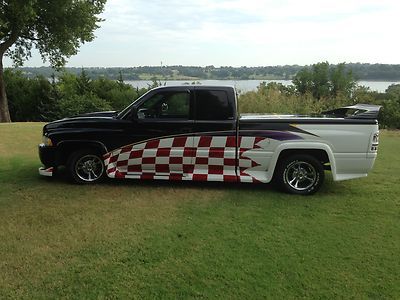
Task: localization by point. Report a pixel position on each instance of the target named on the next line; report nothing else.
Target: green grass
(132, 239)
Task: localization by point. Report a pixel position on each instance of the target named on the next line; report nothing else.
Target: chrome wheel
(300, 175)
(89, 168)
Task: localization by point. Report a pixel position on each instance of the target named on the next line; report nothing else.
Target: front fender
(65, 148)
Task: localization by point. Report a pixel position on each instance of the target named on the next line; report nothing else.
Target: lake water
(251, 85)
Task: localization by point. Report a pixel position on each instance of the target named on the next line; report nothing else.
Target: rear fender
(301, 146)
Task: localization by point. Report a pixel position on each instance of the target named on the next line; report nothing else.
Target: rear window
(213, 105)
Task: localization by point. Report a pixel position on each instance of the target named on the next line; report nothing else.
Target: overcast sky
(242, 32)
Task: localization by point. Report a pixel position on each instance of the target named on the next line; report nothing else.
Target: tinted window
(213, 105)
(166, 105)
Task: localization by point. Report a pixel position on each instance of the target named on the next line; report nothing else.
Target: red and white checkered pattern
(199, 158)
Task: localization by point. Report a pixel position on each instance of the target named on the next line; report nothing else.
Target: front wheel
(86, 167)
(300, 174)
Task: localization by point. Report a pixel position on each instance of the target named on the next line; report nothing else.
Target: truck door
(164, 122)
(215, 134)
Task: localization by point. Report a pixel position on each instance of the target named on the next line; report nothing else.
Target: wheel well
(319, 154)
(65, 150)
(296, 167)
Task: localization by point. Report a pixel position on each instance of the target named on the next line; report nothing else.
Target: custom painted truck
(195, 133)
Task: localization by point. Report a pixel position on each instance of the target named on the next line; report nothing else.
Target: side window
(213, 105)
(166, 106)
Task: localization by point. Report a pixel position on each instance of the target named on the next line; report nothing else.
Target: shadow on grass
(62, 178)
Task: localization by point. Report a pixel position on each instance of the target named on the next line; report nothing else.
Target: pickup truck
(195, 133)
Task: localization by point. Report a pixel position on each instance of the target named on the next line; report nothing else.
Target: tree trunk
(4, 112)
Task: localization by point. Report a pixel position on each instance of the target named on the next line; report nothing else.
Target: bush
(26, 96)
(118, 94)
(79, 104)
(275, 98)
(41, 99)
(390, 115)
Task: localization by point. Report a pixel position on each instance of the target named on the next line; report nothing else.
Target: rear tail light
(375, 142)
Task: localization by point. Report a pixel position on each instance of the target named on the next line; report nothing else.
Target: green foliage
(303, 81)
(342, 80)
(38, 99)
(390, 115)
(323, 80)
(27, 96)
(320, 79)
(391, 107)
(276, 98)
(56, 28)
(78, 104)
(117, 93)
(83, 83)
(393, 91)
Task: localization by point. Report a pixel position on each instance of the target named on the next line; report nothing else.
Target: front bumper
(47, 155)
(46, 171)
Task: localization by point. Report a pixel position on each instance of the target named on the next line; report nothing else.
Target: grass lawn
(194, 240)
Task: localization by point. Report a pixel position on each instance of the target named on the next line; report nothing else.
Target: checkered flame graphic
(198, 158)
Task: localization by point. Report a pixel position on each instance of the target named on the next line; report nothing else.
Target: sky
(241, 33)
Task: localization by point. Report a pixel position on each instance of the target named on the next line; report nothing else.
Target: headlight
(47, 141)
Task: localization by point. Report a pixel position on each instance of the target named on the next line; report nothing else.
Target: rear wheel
(86, 167)
(300, 174)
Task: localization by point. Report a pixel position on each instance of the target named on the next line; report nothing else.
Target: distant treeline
(359, 71)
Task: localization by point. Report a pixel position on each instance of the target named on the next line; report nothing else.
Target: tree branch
(29, 38)
(8, 42)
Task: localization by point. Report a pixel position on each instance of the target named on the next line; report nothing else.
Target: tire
(86, 167)
(300, 174)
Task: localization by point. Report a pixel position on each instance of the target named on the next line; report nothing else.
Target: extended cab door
(215, 134)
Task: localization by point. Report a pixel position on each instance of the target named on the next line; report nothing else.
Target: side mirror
(133, 114)
(141, 113)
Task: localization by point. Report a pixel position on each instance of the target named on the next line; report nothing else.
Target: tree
(303, 81)
(342, 80)
(321, 84)
(393, 91)
(83, 83)
(323, 80)
(120, 79)
(56, 28)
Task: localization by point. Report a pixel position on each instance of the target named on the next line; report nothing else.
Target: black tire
(300, 174)
(86, 167)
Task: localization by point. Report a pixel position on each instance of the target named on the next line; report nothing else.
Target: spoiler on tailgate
(357, 111)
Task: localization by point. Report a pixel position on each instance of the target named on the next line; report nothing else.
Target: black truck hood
(96, 120)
